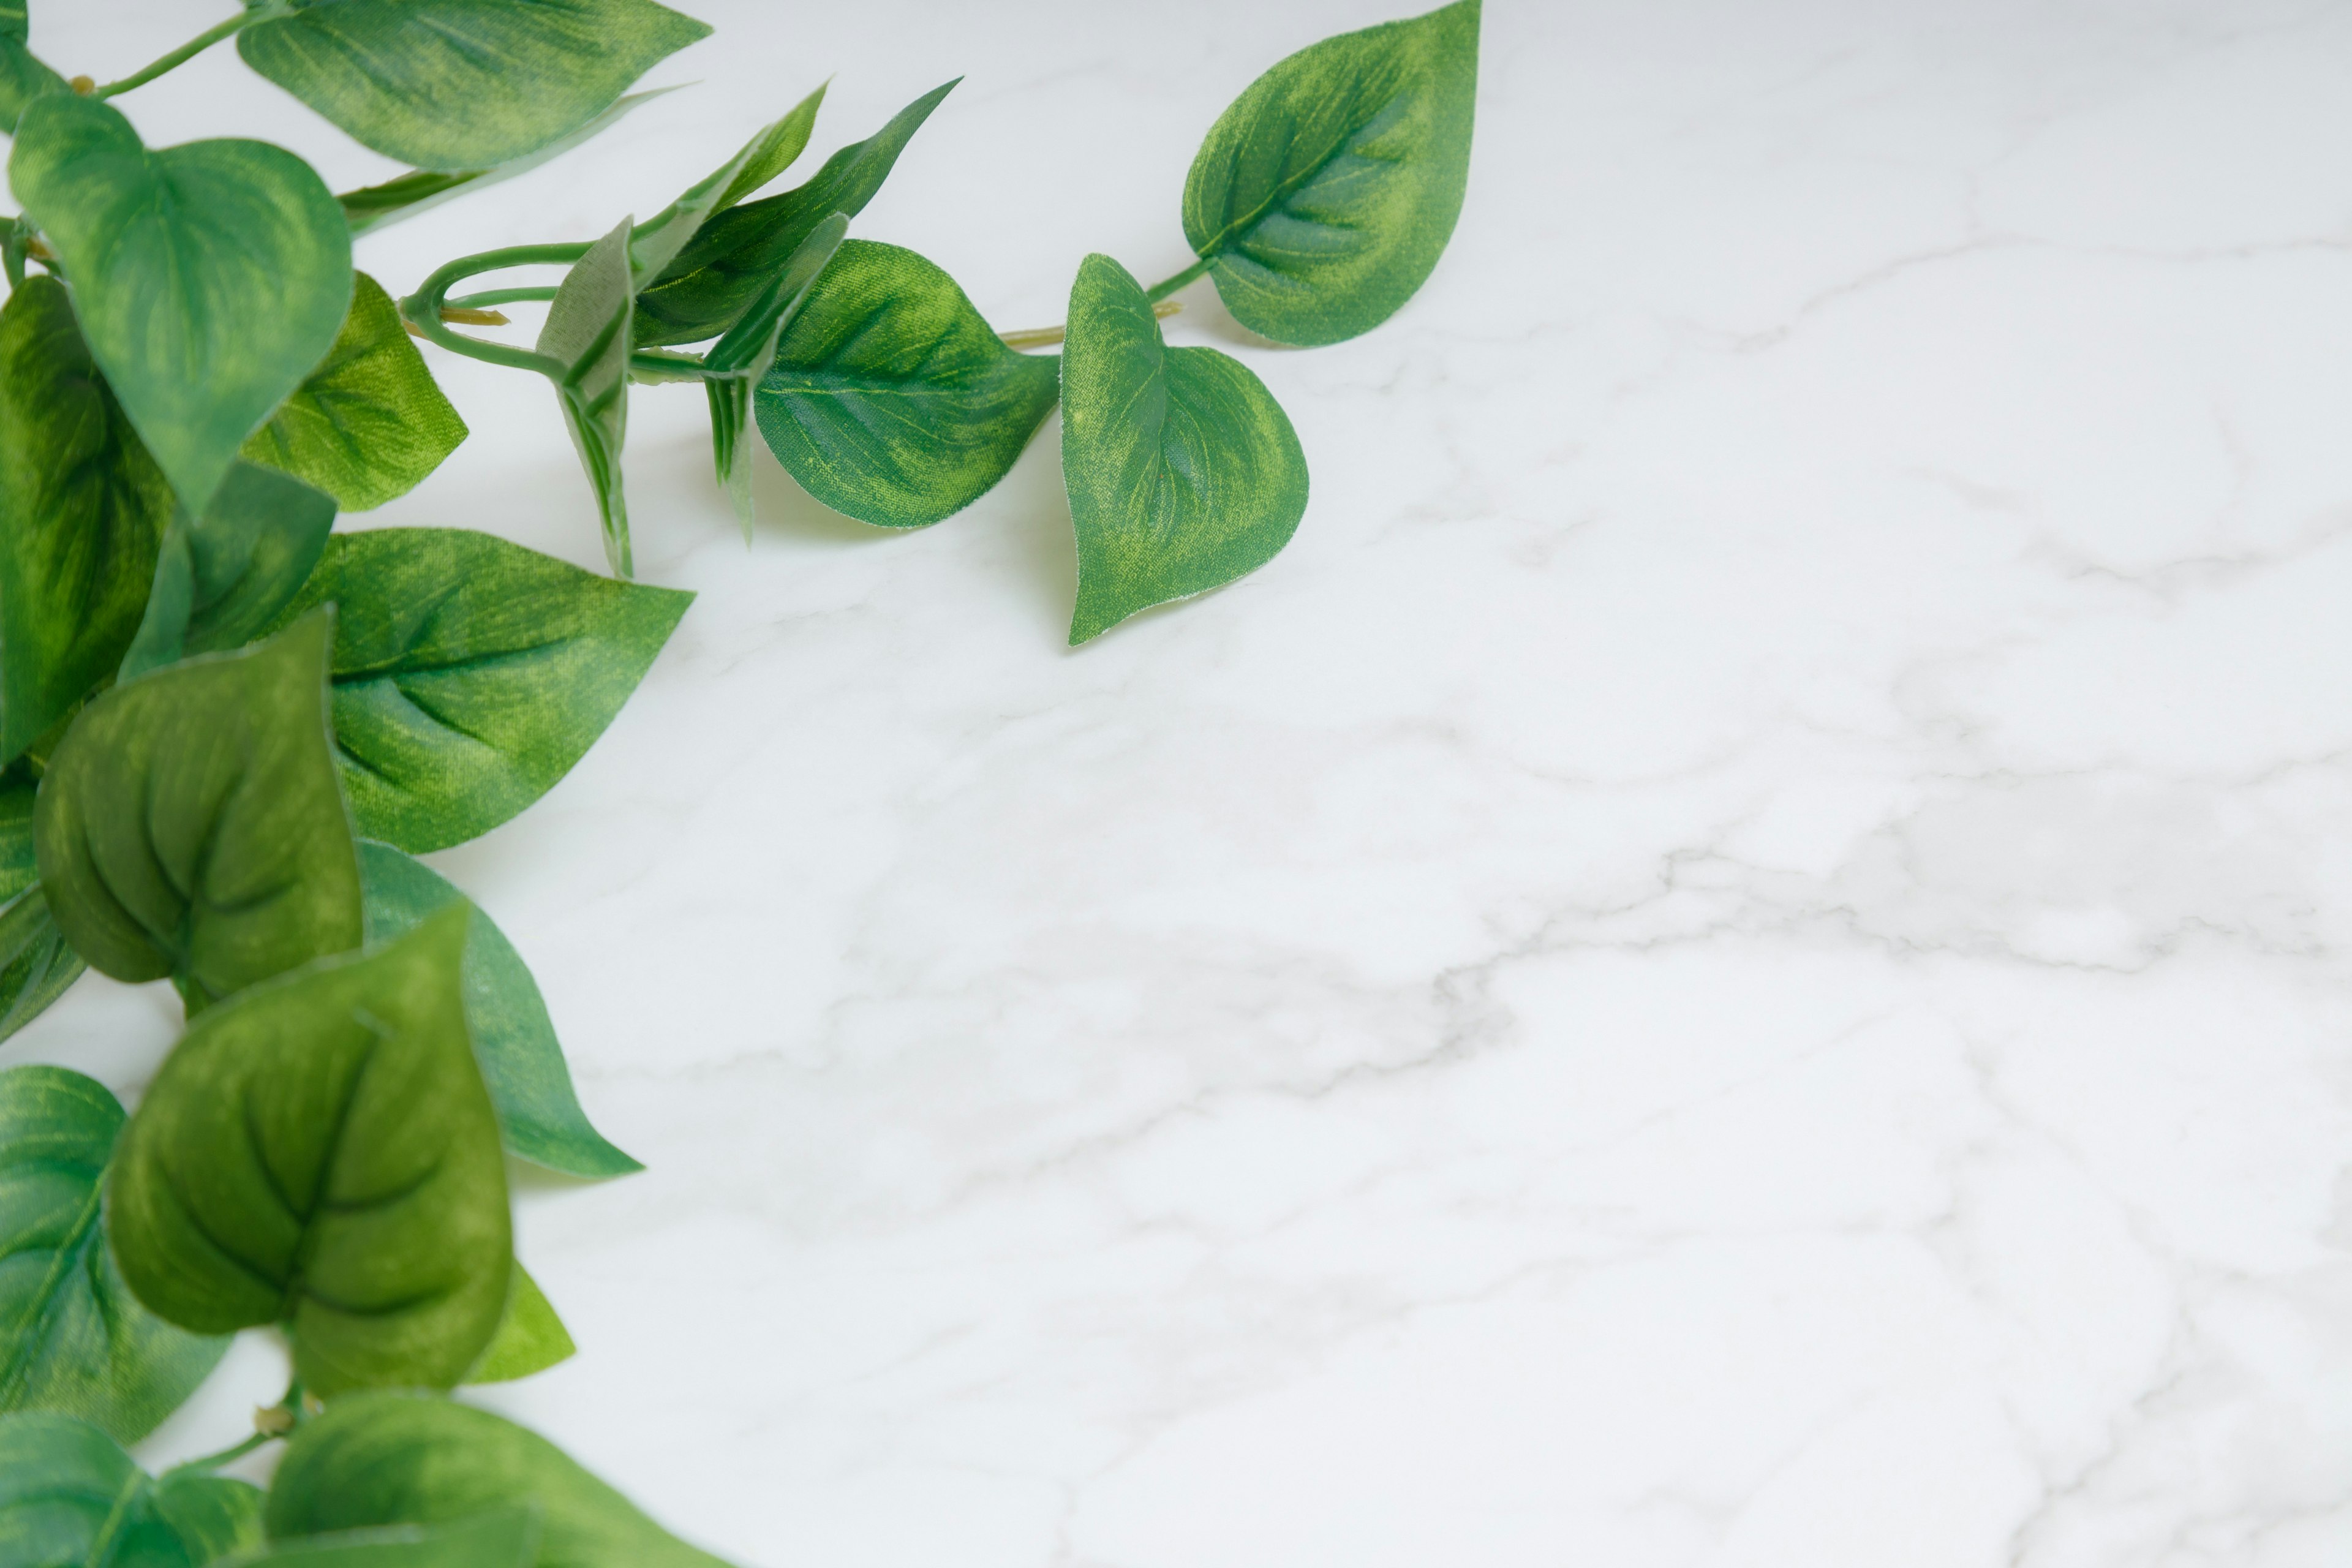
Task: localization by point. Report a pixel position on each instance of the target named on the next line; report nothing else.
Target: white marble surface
(1742, 956)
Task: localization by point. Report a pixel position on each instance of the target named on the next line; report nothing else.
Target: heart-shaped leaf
(1324, 197)
(531, 1337)
(221, 583)
(587, 333)
(378, 1459)
(1183, 470)
(726, 268)
(655, 242)
(82, 513)
(509, 1539)
(513, 1038)
(368, 423)
(73, 1339)
(463, 84)
(70, 1498)
(323, 1153)
(190, 824)
(742, 357)
(890, 400)
(421, 190)
(208, 278)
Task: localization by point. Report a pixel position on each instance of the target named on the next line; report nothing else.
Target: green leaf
(507, 1539)
(459, 85)
(401, 1459)
(513, 1038)
(209, 277)
(655, 242)
(36, 964)
(368, 423)
(745, 355)
(15, 25)
(73, 1339)
(22, 79)
(83, 512)
(531, 1337)
(322, 1153)
(1183, 470)
(219, 584)
(890, 400)
(714, 279)
(470, 674)
(190, 824)
(70, 1498)
(421, 190)
(1324, 197)
(587, 333)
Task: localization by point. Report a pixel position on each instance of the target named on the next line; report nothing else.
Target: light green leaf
(73, 1339)
(748, 351)
(507, 1539)
(457, 85)
(470, 674)
(421, 190)
(322, 1153)
(714, 279)
(513, 1038)
(890, 400)
(70, 1498)
(399, 1458)
(655, 242)
(208, 278)
(531, 1337)
(190, 824)
(219, 584)
(22, 79)
(83, 512)
(1183, 470)
(1324, 197)
(587, 333)
(368, 423)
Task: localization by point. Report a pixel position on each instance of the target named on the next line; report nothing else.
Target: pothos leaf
(22, 78)
(36, 964)
(1183, 472)
(322, 1153)
(655, 242)
(82, 513)
(208, 278)
(463, 84)
(73, 1339)
(531, 1337)
(421, 190)
(368, 423)
(513, 1038)
(890, 400)
(587, 334)
(219, 584)
(1324, 197)
(746, 353)
(507, 1538)
(190, 824)
(470, 674)
(70, 1496)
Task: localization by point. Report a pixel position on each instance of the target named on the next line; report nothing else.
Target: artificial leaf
(716, 278)
(587, 333)
(37, 963)
(1323, 197)
(459, 85)
(83, 512)
(380, 1459)
(1183, 472)
(322, 1153)
(190, 824)
(220, 582)
(513, 1038)
(507, 1538)
(70, 1498)
(421, 190)
(890, 400)
(208, 278)
(655, 242)
(22, 79)
(368, 423)
(470, 674)
(740, 359)
(531, 1337)
(73, 1339)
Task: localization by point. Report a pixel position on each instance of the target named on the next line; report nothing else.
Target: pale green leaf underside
(655, 242)
(406, 196)
(587, 333)
(507, 1539)
(747, 351)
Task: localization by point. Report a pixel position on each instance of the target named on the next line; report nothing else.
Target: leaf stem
(1161, 290)
(1047, 337)
(422, 309)
(227, 1455)
(189, 50)
(536, 294)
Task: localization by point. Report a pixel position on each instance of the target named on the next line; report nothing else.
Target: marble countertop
(1739, 957)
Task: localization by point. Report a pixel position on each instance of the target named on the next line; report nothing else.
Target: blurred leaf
(219, 584)
(507, 1539)
(531, 1337)
(70, 1498)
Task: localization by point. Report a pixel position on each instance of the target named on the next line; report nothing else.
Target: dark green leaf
(70, 1498)
(420, 190)
(218, 584)
(15, 25)
(368, 423)
(83, 512)
(1324, 197)
(509, 1539)
(398, 1458)
(890, 400)
(209, 277)
(73, 1339)
(464, 84)
(322, 1153)
(726, 268)
(745, 355)
(36, 965)
(587, 333)
(513, 1038)
(190, 824)
(1183, 470)
(531, 1337)
(655, 242)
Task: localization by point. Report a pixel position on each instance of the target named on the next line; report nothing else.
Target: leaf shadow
(1042, 540)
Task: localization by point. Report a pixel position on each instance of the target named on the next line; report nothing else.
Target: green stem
(537, 294)
(652, 365)
(188, 51)
(1161, 290)
(227, 1455)
(422, 309)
